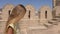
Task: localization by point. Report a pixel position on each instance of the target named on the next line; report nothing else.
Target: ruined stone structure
(32, 23)
(56, 5)
(4, 13)
(45, 14)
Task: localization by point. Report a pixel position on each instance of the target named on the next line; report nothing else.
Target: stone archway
(45, 14)
(6, 11)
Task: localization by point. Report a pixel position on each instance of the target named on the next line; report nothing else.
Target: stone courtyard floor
(55, 29)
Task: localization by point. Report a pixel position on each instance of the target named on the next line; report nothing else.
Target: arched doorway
(29, 14)
(45, 14)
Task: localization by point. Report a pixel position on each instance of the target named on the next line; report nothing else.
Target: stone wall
(30, 20)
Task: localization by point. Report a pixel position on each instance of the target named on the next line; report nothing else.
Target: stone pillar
(57, 10)
(54, 3)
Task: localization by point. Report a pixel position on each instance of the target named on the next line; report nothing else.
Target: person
(17, 14)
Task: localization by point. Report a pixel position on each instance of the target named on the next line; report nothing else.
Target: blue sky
(36, 3)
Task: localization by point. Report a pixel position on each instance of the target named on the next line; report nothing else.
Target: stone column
(57, 10)
(54, 3)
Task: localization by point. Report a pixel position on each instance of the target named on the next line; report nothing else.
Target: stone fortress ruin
(33, 23)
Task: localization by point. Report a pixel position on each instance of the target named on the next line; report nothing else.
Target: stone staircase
(53, 21)
(45, 26)
(50, 26)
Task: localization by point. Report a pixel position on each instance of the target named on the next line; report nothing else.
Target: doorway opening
(29, 14)
(46, 14)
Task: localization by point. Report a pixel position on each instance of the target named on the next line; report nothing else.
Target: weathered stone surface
(35, 24)
(2, 27)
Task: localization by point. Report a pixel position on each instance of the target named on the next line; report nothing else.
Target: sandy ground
(55, 29)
